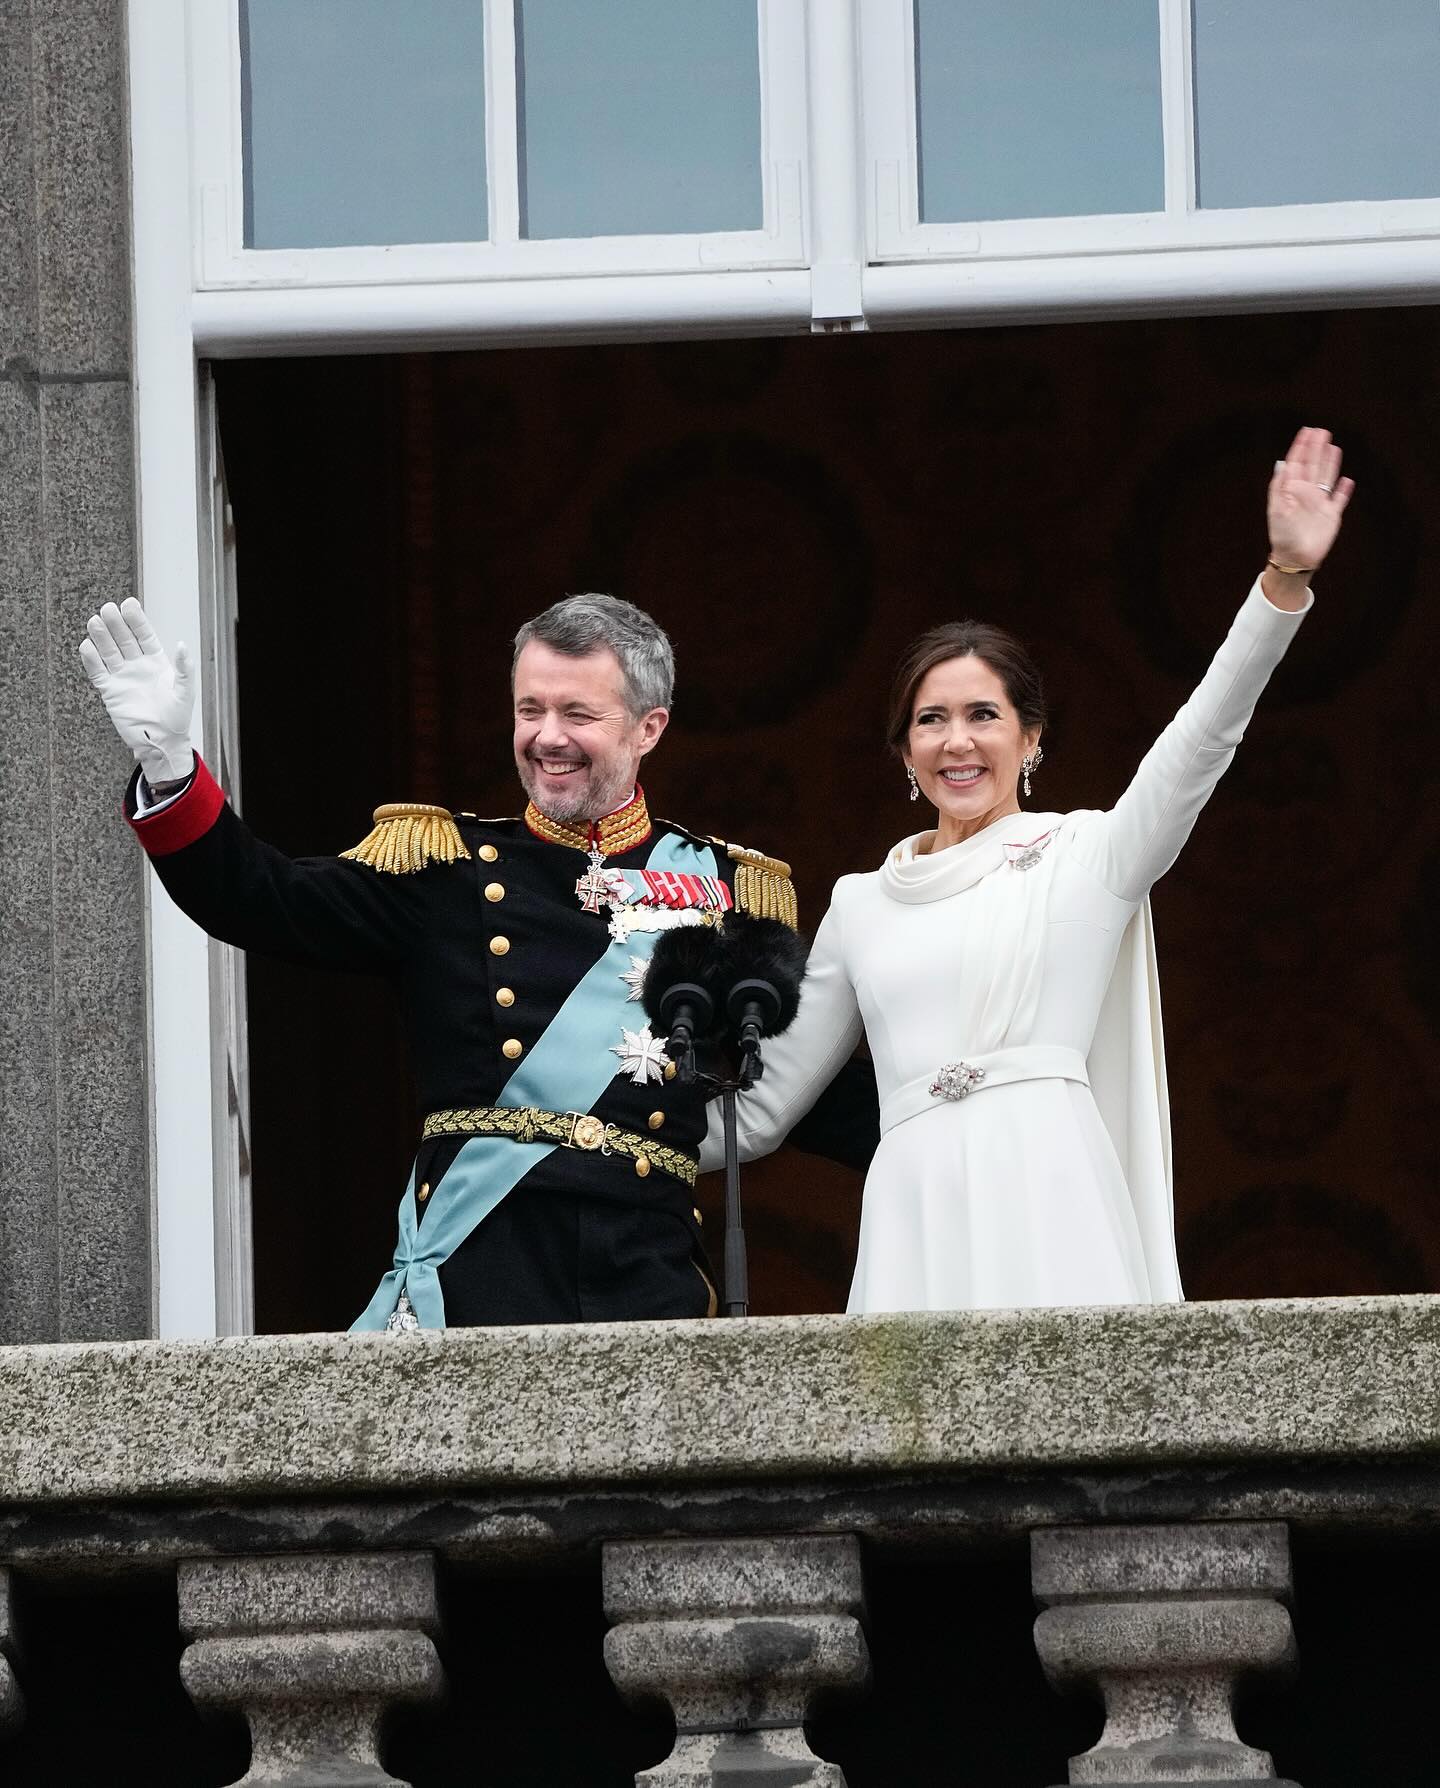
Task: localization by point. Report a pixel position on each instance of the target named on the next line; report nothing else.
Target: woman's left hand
(1306, 500)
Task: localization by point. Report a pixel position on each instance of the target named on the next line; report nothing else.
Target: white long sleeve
(800, 1064)
(1126, 849)
(1130, 847)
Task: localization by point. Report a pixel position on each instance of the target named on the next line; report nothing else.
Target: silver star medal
(634, 978)
(642, 1056)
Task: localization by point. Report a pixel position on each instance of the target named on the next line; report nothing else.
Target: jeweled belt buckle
(586, 1131)
(956, 1080)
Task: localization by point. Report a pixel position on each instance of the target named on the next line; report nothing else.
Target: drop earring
(1027, 764)
(914, 784)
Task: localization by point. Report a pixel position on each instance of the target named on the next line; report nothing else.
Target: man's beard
(593, 798)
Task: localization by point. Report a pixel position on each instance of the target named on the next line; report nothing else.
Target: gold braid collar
(407, 836)
(615, 834)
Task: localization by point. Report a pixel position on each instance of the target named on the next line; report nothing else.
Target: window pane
(638, 117)
(1300, 103)
(364, 122)
(1038, 108)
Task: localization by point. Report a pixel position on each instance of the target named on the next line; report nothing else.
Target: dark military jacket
(484, 951)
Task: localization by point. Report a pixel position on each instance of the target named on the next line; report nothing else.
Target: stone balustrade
(1165, 1620)
(332, 1517)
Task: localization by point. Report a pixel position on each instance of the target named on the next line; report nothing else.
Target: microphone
(743, 982)
(684, 988)
(702, 982)
(766, 964)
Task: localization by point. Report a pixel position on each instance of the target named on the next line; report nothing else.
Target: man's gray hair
(577, 625)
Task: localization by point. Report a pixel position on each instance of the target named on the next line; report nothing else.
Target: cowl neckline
(908, 875)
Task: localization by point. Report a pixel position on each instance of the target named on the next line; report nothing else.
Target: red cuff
(188, 817)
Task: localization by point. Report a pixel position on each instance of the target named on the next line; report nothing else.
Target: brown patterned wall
(793, 511)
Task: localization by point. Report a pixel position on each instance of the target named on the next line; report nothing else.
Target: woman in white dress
(1002, 967)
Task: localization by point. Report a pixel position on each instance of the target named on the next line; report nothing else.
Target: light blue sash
(567, 1070)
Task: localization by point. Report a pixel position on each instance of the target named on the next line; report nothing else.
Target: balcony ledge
(1330, 1382)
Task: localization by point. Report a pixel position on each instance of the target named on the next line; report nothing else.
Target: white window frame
(190, 1290)
(197, 293)
(1174, 260)
(223, 262)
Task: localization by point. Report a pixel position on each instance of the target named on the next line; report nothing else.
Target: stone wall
(74, 1215)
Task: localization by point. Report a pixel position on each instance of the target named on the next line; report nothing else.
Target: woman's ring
(1327, 488)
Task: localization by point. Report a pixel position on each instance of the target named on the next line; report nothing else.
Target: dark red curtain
(793, 511)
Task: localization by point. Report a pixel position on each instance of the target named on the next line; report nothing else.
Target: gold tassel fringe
(763, 886)
(407, 836)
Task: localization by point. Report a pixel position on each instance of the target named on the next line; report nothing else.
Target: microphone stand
(759, 969)
(737, 1272)
(737, 1269)
(753, 1005)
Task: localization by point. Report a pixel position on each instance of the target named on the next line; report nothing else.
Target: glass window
(1038, 108)
(638, 117)
(364, 122)
(1307, 101)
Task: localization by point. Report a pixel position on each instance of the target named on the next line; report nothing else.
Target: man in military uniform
(554, 1179)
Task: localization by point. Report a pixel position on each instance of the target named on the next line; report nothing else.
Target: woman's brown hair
(993, 646)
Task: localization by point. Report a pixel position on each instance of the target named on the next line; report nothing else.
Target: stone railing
(436, 1547)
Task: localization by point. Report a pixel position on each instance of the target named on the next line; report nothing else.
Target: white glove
(149, 700)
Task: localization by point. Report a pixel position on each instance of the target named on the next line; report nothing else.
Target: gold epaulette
(407, 836)
(762, 885)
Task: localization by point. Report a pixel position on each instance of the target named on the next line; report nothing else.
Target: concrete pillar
(12, 1703)
(740, 1637)
(1165, 1621)
(313, 1650)
(74, 1166)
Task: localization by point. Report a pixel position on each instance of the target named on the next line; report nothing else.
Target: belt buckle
(586, 1131)
(956, 1080)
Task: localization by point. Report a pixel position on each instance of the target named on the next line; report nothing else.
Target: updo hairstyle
(993, 646)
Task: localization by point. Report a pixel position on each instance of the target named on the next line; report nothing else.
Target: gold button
(656, 1119)
(495, 891)
(696, 1214)
(642, 1167)
(504, 996)
(488, 853)
(499, 946)
(671, 1070)
(511, 1047)
(424, 1191)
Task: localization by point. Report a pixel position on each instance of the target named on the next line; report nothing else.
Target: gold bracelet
(1290, 570)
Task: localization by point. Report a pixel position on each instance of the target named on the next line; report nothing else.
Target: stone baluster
(12, 1702)
(740, 1637)
(1165, 1621)
(313, 1650)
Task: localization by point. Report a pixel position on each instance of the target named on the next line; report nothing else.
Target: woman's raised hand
(1306, 500)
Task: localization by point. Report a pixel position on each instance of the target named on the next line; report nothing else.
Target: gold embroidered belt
(571, 1129)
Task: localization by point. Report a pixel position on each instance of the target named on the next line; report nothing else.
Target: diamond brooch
(1026, 856)
(956, 1080)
